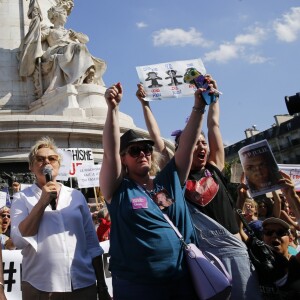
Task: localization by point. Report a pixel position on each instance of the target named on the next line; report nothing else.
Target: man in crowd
(276, 233)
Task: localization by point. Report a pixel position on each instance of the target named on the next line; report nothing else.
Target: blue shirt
(143, 246)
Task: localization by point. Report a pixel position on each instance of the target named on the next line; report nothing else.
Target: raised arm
(152, 126)
(276, 205)
(216, 147)
(291, 196)
(242, 195)
(78, 36)
(189, 137)
(111, 170)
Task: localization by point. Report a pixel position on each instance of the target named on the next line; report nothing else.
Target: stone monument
(50, 84)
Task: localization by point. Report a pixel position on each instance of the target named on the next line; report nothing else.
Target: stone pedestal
(73, 115)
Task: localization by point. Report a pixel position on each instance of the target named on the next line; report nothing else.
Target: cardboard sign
(88, 176)
(165, 80)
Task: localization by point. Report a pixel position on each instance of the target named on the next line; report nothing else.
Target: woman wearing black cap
(146, 255)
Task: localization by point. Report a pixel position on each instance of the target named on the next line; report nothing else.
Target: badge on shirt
(162, 199)
(140, 202)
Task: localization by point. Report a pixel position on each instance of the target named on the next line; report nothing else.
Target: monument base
(73, 116)
(86, 100)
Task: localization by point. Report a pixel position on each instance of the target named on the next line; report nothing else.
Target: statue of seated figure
(63, 57)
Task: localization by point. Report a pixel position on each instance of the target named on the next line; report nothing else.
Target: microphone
(47, 171)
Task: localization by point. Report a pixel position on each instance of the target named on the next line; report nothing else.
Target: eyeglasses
(135, 151)
(52, 159)
(279, 232)
(5, 216)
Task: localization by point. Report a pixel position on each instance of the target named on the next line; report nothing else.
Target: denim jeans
(214, 238)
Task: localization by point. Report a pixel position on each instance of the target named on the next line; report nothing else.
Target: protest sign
(294, 172)
(12, 268)
(165, 80)
(88, 176)
(260, 168)
(65, 164)
(71, 159)
(236, 172)
(3, 196)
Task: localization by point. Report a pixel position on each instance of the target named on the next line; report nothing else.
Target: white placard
(3, 196)
(71, 159)
(88, 176)
(293, 171)
(65, 165)
(165, 80)
(12, 264)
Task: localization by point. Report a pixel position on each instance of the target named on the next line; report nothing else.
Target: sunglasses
(5, 216)
(135, 151)
(52, 159)
(279, 232)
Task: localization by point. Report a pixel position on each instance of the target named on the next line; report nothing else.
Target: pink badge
(140, 202)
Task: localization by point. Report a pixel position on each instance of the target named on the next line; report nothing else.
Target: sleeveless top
(206, 189)
(144, 248)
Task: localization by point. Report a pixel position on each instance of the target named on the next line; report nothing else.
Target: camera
(293, 103)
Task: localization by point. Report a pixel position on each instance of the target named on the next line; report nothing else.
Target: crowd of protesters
(142, 184)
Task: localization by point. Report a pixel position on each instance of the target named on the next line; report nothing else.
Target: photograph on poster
(260, 168)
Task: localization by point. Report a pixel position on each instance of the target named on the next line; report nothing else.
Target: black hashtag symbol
(10, 281)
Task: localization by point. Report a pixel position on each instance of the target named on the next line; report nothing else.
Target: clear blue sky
(252, 48)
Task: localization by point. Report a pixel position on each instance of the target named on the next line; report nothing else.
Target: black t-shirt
(288, 291)
(220, 206)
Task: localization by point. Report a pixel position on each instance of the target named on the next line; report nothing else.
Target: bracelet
(2, 284)
(198, 109)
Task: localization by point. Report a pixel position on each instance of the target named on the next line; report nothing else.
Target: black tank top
(220, 208)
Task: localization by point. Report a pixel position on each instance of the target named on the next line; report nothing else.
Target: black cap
(130, 137)
(274, 220)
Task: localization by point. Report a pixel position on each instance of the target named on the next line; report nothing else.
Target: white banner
(3, 197)
(88, 176)
(294, 172)
(71, 159)
(65, 165)
(165, 80)
(12, 264)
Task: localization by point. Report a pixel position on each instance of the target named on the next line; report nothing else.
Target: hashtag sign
(10, 271)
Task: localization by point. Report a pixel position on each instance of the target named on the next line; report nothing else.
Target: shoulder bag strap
(175, 229)
(245, 223)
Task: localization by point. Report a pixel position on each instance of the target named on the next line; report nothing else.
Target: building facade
(283, 137)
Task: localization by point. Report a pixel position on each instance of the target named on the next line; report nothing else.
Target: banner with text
(88, 176)
(71, 159)
(12, 266)
(294, 172)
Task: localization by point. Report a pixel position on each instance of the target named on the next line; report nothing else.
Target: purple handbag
(210, 278)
